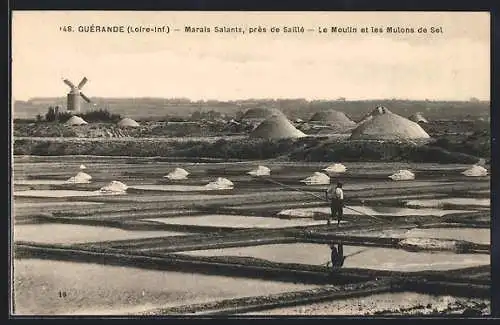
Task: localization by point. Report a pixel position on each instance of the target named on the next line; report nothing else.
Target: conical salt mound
(335, 168)
(475, 171)
(418, 118)
(276, 127)
(382, 124)
(177, 174)
(317, 179)
(114, 187)
(80, 178)
(128, 122)
(76, 120)
(82, 166)
(260, 114)
(335, 119)
(402, 175)
(260, 171)
(220, 184)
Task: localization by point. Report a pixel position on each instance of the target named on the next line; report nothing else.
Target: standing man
(336, 197)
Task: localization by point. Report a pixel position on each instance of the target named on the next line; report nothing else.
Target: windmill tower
(73, 98)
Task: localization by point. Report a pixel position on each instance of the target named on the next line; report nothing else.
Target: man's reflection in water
(337, 255)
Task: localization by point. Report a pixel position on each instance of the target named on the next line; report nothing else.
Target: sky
(452, 65)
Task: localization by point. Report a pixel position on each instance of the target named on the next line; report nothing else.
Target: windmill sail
(69, 83)
(82, 83)
(85, 97)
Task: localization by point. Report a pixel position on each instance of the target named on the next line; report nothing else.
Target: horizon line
(338, 99)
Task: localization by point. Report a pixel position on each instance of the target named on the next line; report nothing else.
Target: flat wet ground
(403, 303)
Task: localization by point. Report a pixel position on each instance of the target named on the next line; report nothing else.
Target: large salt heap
(75, 120)
(259, 114)
(276, 127)
(80, 178)
(335, 168)
(382, 124)
(402, 175)
(335, 120)
(127, 122)
(114, 187)
(177, 174)
(475, 171)
(260, 171)
(317, 179)
(220, 184)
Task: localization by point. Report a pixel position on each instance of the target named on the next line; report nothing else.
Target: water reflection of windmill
(73, 98)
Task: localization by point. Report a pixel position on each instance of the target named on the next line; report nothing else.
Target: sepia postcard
(250, 163)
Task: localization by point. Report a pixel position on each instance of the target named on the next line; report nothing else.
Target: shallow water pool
(73, 234)
(92, 289)
(376, 211)
(173, 188)
(479, 236)
(466, 202)
(237, 221)
(62, 193)
(40, 182)
(369, 258)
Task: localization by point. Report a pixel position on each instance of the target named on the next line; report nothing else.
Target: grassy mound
(147, 129)
(311, 149)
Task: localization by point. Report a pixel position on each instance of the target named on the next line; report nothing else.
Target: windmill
(73, 98)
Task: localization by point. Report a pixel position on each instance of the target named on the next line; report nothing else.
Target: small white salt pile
(114, 187)
(177, 174)
(83, 167)
(299, 213)
(317, 179)
(260, 171)
(429, 243)
(475, 171)
(80, 178)
(335, 168)
(220, 184)
(402, 175)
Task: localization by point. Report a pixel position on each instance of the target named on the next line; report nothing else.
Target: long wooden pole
(316, 196)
